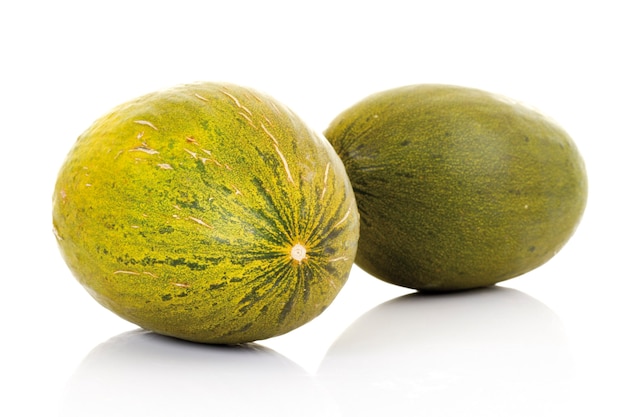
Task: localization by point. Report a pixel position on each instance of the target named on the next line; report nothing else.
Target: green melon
(207, 212)
(457, 188)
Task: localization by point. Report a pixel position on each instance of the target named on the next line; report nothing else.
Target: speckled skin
(207, 212)
(457, 188)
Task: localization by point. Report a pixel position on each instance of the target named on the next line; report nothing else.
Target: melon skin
(457, 188)
(208, 212)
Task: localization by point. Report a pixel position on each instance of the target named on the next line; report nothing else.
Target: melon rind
(457, 188)
(180, 211)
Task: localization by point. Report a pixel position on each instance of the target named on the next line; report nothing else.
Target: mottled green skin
(179, 211)
(457, 188)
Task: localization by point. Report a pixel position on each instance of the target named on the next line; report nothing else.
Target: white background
(547, 343)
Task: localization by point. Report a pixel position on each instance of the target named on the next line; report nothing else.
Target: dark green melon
(208, 212)
(457, 188)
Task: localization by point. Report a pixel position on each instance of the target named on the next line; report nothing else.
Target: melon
(457, 188)
(208, 212)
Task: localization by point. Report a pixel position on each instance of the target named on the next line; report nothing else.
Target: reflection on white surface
(488, 352)
(140, 373)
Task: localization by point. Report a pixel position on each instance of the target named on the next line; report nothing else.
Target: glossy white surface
(548, 343)
(441, 355)
(494, 352)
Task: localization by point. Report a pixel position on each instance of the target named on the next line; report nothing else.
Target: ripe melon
(457, 188)
(207, 212)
